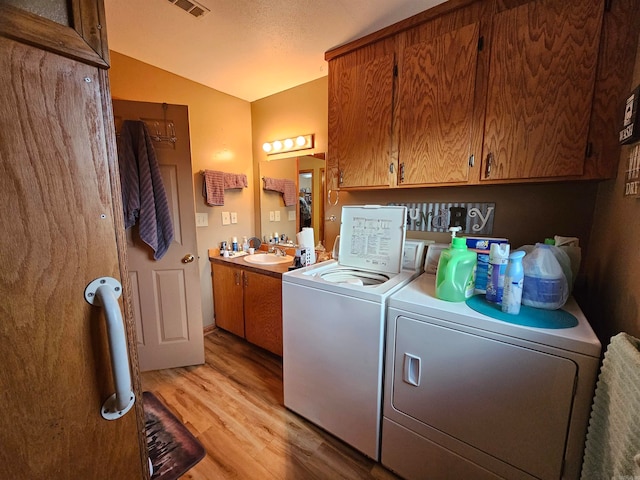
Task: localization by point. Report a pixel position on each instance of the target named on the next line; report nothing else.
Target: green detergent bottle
(455, 277)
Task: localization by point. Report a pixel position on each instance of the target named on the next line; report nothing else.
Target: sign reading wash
(474, 218)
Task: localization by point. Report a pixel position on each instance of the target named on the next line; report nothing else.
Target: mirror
(308, 173)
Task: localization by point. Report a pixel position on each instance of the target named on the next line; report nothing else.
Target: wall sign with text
(632, 175)
(474, 218)
(631, 123)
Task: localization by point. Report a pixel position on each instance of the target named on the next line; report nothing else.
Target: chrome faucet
(279, 251)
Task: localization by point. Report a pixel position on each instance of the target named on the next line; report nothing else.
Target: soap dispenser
(455, 277)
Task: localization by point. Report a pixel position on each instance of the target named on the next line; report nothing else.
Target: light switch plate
(272, 216)
(292, 215)
(277, 215)
(234, 217)
(202, 219)
(226, 220)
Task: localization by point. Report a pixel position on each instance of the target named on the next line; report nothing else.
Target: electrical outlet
(277, 215)
(234, 217)
(458, 217)
(272, 216)
(292, 215)
(226, 220)
(202, 220)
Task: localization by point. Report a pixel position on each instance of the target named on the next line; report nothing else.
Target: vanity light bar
(300, 142)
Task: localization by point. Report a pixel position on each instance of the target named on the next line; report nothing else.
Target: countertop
(271, 270)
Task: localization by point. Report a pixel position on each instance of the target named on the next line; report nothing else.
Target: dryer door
(510, 402)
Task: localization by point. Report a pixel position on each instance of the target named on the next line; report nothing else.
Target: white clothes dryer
(470, 396)
(334, 325)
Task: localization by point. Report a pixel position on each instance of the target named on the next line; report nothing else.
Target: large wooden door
(166, 293)
(60, 230)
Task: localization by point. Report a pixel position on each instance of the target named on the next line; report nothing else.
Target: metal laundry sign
(474, 218)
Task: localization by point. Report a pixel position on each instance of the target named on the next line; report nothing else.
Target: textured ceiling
(247, 48)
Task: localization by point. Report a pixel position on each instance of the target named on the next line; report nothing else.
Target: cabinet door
(263, 311)
(436, 99)
(227, 298)
(540, 88)
(360, 116)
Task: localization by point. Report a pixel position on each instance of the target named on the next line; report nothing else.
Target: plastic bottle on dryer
(498, 259)
(455, 277)
(513, 281)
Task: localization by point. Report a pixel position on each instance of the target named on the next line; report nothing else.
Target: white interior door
(166, 293)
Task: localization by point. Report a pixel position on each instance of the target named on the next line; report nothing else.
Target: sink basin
(267, 259)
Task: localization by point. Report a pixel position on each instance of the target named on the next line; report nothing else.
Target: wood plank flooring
(234, 405)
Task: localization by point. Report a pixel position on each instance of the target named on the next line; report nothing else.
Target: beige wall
(612, 294)
(220, 131)
(300, 110)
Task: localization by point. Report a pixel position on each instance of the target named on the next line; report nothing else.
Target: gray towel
(143, 195)
(613, 438)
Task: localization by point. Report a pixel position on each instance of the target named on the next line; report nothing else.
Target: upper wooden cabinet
(543, 59)
(484, 91)
(360, 116)
(436, 90)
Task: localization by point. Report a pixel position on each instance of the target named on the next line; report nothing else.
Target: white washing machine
(334, 325)
(470, 396)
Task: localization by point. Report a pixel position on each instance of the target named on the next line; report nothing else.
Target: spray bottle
(455, 277)
(513, 281)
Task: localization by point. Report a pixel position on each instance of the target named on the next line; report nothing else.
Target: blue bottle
(513, 280)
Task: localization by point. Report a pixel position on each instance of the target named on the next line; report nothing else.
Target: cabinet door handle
(237, 277)
(412, 369)
(487, 169)
(246, 280)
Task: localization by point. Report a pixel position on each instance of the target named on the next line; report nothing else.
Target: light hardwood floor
(234, 405)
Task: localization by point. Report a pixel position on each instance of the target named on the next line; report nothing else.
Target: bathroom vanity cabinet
(475, 92)
(248, 300)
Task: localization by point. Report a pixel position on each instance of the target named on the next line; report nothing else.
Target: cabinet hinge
(401, 172)
(340, 177)
(472, 160)
(395, 70)
(480, 43)
(589, 150)
(607, 5)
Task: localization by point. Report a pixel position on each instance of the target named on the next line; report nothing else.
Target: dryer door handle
(412, 369)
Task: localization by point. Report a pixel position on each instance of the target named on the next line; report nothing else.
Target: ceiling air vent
(191, 7)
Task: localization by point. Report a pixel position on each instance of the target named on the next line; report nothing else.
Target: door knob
(188, 258)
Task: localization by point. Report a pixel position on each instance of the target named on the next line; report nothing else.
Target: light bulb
(300, 141)
(266, 146)
(288, 143)
(277, 145)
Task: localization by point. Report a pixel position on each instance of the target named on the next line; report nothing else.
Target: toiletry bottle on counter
(455, 277)
(245, 245)
(513, 280)
(234, 244)
(498, 259)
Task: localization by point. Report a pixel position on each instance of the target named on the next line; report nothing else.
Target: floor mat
(172, 448)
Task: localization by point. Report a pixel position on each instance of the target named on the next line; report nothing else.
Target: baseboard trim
(208, 329)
